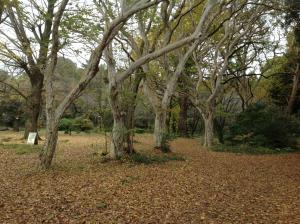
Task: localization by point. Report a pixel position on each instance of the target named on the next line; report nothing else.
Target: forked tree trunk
(160, 128)
(208, 130)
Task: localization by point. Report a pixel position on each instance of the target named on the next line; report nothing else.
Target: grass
(21, 149)
(142, 158)
(7, 139)
(256, 150)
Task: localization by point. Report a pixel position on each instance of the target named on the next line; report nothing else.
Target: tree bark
(134, 88)
(208, 130)
(34, 108)
(160, 128)
(208, 118)
(219, 125)
(182, 123)
(119, 130)
(294, 93)
(117, 148)
(130, 129)
(52, 124)
(48, 151)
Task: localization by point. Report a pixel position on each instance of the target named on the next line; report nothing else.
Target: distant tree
(11, 103)
(20, 51)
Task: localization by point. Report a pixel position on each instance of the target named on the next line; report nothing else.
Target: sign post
(32, 138)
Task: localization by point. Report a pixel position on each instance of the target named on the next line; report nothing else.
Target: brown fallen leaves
(208, 187)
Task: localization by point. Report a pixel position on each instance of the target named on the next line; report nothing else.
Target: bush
(66, 124)
(264, 126)
(77, 124)
(83, 124)
(139, 130)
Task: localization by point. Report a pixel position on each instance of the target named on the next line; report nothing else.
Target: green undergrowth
(256, 150)
(21, 149)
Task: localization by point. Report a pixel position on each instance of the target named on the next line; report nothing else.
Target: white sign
(32, 138)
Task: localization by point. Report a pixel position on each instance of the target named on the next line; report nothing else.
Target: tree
(117, 78)
(293, 17)
(160, 100)
(28, 48)
(53, 113)
(183, 114)
(11, 104)
(213, 59)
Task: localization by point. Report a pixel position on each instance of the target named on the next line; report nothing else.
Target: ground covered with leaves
(191, 185)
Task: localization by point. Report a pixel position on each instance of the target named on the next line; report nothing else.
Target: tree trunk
(117, 148)
(48, 151)
(35, 102)
(208, 130)
(16, 124)
(195, 125)
(134, 88)
(182, 123)
(294, 92)
(160, 128)
(130, 129)
(219, 125)
(52, 119)
(52, 123)
(119, 131)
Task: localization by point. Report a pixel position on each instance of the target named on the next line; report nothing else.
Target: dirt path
(208, 187)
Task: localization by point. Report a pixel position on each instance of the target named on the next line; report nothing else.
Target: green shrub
(264, 126)
(66, 124)
(83, 124)
(139, 130)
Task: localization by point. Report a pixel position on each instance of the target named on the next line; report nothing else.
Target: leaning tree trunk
(53, 116)
(48, 151)
(160, 128)
(46, 155)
